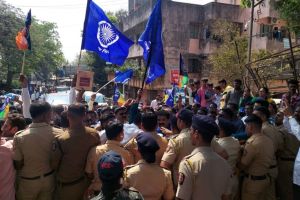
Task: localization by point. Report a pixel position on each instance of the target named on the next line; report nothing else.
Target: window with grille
(194, 66)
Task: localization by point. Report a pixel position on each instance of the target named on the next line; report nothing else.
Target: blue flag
(102, 37)
(117, 94)
(151, 41)
(27, 25)
(170, 100)
(123, 77)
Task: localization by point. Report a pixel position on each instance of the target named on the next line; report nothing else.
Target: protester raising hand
(25, 96)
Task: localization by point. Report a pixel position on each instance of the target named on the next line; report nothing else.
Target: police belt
(62, 184)
(38, 177)
(256, 178)
(288, 159)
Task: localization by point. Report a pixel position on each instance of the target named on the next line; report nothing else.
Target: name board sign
(174, 76)
(85, 80)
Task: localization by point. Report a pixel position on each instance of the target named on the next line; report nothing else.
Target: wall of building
(135, 4)
(179, 22)
(178, 19)
(234, 2)
(184, 31)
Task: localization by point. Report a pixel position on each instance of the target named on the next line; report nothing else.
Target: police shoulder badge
(181, 178)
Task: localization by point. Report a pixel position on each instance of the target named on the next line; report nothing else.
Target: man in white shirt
(189, 93)
(155, 103)
(293, 125)
(25, 96)
(133, 129)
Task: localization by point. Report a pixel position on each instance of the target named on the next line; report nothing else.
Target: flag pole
(79, 58)
(83, 32)
(112, 80)
(147, 67)
(23, 63)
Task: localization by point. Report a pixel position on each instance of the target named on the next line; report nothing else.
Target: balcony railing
(267, 44)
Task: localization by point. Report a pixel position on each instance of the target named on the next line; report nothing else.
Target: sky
(69, 17)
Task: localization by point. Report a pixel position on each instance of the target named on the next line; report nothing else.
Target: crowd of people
(218, 143)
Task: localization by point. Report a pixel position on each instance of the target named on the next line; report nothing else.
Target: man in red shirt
(201, 92)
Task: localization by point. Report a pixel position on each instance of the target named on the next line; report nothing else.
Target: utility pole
(293, 63)
(249, 69)
(251, 31)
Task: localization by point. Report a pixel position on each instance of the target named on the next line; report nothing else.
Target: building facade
(186, 31)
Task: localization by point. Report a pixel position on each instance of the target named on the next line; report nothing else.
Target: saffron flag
(151, 41)
(4, 110)
(102, 37)
(123, 77)
(23, 38)
(183, 75)
(118, 97)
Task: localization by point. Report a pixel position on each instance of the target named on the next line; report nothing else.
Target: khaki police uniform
(33, 147)
(178, 147)
(96, 153)
(122, 193)
(203, 175)
(132, 147)
(218, 149)
(152, 181)
(233, 149)
(257, 157)
(69, 154)
(273, 133)
(286, 160)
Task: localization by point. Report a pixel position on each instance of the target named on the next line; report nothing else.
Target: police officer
(115, 134)
(110, 170)
(203, 175)
(232, 148)
(257, 157)
(286, 157)
(32, 152)
(149, 125)
(179, 146)
(69, 153)
(273, 133)
(146, 176)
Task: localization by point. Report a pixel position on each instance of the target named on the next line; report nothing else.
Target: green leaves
(246, 3)
(46, 54)
(226, 62)
(290, 11)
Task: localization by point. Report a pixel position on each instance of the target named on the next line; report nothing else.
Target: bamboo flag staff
(23, 39)
(23, 63)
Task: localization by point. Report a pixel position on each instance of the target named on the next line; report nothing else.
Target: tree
(10, 21)
(96, 64)
(230, 57)
(46, 54)
(120, 14)
(246, 3)
(112, 17)
(288, 10)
